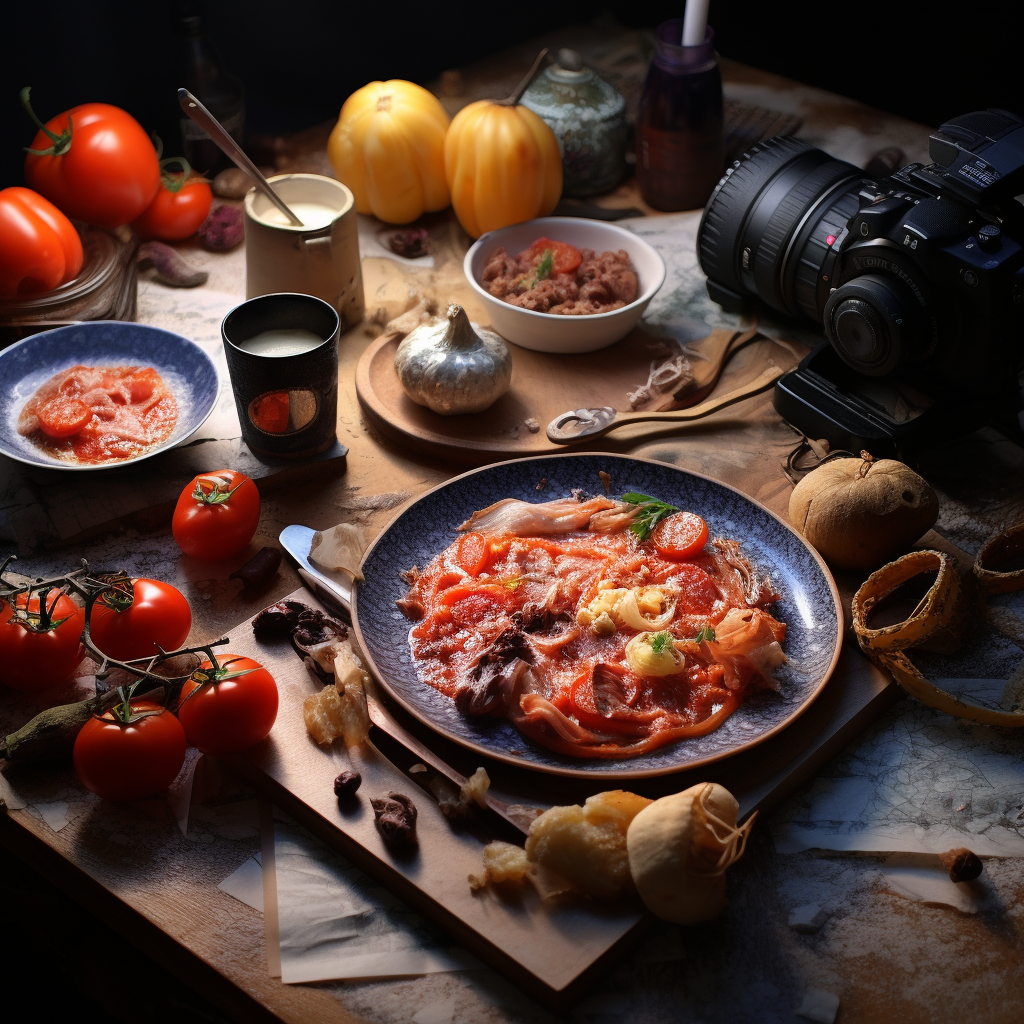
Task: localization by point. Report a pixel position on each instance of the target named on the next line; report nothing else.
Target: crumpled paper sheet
(918, 781)
(335, 923)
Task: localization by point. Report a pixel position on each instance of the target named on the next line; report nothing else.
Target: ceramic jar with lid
(588, 117)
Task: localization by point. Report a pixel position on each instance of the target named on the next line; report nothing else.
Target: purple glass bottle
(680, 132)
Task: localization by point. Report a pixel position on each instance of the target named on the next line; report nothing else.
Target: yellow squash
(502, 163)
(388, 148)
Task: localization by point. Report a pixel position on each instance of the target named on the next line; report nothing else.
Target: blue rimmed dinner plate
(185, 368)
(809, 604)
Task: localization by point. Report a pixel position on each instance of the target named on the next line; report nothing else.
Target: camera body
(918, 279)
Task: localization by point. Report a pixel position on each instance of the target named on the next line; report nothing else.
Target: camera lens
(873, 323)
(769, 225)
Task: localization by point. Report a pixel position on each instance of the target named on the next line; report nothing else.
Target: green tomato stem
(61, 143)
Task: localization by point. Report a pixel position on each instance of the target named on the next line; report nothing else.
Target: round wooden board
(543, 386)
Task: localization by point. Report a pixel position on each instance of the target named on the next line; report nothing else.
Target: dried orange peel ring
(939, 618)
(936, 623)
(1001, 548)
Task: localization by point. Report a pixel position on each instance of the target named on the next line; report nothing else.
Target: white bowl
(553, 332)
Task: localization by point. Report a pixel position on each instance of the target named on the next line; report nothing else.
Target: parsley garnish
(547, 261)
(651, 512)
(661, 642)
(706, 633)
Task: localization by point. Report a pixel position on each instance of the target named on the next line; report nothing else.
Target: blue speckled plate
(809, 604)
(185, 368)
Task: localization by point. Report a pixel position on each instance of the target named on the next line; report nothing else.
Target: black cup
(287, 404)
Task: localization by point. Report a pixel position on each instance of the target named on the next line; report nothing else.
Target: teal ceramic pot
(588, 117)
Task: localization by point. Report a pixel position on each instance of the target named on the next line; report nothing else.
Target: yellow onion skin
(503, 166)
(388, 148)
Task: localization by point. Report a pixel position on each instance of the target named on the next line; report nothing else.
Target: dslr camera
(918, 279)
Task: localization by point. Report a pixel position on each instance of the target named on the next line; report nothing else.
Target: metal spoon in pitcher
(232, 150)
(586, 424)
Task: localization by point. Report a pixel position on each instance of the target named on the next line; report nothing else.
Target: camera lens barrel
(873, 324)
(764, 232)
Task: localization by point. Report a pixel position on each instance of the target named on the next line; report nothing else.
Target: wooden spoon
(586, 424)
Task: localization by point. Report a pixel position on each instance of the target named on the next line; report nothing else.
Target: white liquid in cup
(291, 341)
(312, 215)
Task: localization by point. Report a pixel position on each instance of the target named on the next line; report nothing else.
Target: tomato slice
(681, 535)
(472, 553)
(623, 720)
(565, 259)
(63, 416)
(471, 604)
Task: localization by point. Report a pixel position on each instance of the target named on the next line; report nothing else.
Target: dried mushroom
(395, 818)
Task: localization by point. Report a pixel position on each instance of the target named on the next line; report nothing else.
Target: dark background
(299, 59)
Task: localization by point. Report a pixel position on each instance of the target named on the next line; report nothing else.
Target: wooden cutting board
(552, 950)
(543, 386)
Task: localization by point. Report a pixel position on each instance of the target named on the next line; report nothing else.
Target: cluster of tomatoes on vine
(93, 163)
(136, 627)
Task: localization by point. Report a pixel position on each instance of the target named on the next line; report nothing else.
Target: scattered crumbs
(532, 425)
(606, 480)
(819, 1006)
(541, 484)
(807, 919)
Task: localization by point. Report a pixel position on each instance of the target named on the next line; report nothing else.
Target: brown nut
(346, 784)
(962, 864)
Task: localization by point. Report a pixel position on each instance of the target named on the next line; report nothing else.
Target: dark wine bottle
(204, 75)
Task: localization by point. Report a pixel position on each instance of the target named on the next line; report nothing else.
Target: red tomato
(472, 553)
(565, 259)
(31, 659)
(216, 515)
(39, 247)
(95, 162)
(228, 709)
(681, 535)
(181, 204)
(63, 416)
(128, 626)
(130, 760)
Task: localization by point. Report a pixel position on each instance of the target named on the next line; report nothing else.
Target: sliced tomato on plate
(682, 535)
(564, 258)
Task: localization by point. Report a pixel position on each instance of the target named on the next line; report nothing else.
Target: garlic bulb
(679, 849)
(452, 367)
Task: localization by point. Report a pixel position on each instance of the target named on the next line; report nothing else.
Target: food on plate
(228, 706)
(180, 206)
(502, 163)
(395, 818)
(346, 785)
(99, 413)
(216, 515)
(861, 512)
(388, 148)
(137, 618)
(39, 640)
(680, 848)
(673, 851)
(131, 752)
(565, 619)
(553, 277)
(452, 366)
(39, 247)
(95, 162)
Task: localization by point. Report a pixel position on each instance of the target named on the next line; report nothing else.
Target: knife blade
(336, 594)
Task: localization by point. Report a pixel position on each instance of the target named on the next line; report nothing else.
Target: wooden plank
(554, 950)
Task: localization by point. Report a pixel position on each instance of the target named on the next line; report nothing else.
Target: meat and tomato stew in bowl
(564, 284)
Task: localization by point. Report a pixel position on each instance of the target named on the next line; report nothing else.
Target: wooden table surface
(158, 891)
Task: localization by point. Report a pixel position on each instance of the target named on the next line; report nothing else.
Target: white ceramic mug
(320, 258)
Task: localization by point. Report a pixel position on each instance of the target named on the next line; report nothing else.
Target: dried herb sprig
(650, 512)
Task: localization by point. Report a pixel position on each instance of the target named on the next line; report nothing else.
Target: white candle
(695, 21)
(312, 215)
(290, 341)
